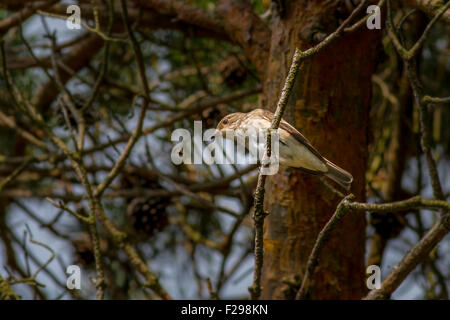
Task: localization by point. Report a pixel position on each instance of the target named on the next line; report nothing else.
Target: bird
(295, 151)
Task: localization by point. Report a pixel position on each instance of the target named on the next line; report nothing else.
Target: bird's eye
(225, 121)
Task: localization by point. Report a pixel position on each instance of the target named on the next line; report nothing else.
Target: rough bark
(330, 105)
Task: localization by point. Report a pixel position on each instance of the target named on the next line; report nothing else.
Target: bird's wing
(294, 132)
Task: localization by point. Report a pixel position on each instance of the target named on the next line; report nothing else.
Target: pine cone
(145, 215)
(148, 215)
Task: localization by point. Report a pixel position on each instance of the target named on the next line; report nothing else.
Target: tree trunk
(330, 105)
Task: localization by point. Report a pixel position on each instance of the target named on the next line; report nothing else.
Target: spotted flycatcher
(295, 151)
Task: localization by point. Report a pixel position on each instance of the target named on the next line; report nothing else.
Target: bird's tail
(339, 175)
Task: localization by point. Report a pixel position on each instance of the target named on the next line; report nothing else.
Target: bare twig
(52, 256)
(430, 7)
(212, 293)
(429, 99)
(64, 207)
(416, 255)
(408, 54)
(363, 20)
(313, 259)
(14, 174)
(347, 205)
(95, 30)
(11, 123)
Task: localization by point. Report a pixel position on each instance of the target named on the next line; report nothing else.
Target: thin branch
(95, 30)
(404, 205)
(14, 174)
(323, 236)
(363, 20)
(437, 100)
(414, 50)
(11, 123)
(430, 7)
(104, 63)
(52, 256)
(342, 209)
(418, 45)
(64, 207)
(410, 261)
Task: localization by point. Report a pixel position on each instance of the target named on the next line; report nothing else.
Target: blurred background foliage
(185, 238)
